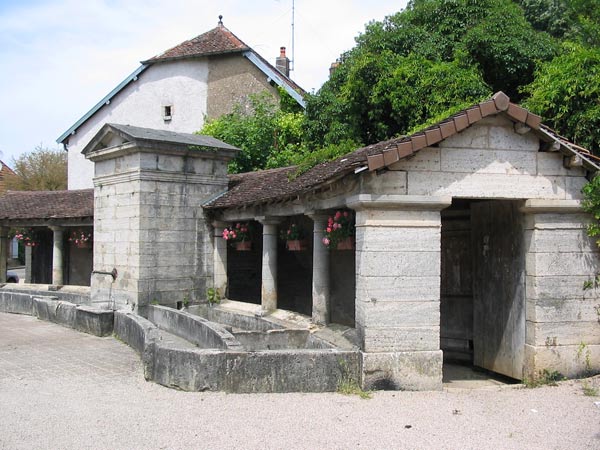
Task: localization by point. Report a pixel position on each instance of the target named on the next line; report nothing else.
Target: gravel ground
(108, 405)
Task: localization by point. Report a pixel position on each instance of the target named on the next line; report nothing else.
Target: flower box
(243, 246)
(346, 244)
(83, 244)
(296, 245)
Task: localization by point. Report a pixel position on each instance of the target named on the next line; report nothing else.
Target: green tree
(415, 64)
(566, 93)
(40, 170)
(266, 134)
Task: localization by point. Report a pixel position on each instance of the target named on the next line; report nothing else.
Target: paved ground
(60, 389)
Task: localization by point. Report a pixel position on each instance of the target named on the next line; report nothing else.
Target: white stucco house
(178, 90)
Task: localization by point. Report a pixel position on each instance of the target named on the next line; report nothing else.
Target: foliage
(566, 92)
(416, 64)
(240, 232)
(589, 390)
(40, 170)
(339, 227)
(348, 384)
(261, 130)
(292, 233)
(544, 378)
(213, 296)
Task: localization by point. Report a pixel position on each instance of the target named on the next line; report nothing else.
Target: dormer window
(167, 112)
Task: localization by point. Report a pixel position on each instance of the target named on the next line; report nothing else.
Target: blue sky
(59, 58)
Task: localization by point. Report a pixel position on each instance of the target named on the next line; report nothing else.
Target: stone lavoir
(469, 245)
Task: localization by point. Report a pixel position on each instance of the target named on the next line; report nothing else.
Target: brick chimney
(282, 63)
(334, 66)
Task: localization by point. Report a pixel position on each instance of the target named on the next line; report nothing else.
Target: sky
(59, 58)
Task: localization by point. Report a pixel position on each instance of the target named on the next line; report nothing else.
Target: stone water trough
(241, 353)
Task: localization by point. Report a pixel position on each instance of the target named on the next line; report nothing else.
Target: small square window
(167, 112)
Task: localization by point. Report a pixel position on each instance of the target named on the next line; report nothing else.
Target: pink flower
(328, 229)
(238, 225)
(338, 214)
(345, 213)
(326, 241)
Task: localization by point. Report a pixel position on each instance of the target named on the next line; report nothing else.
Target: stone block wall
(150, 227)
(398, 292)
(563, 318)
(491, 160)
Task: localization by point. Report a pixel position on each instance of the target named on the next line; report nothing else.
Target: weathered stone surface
(484, 185)
(556, 288)
(53, 310)
(559, 241)
(398, 219)
(194, 329)
(563, 310)
(551, 163)
(569, 360)
(508, 162)
(567, 264)
(387, 239)
(16, 302)
(410, 371)
(397, 314)
(388, 183)
(398, 288)
(426, 159)
(555, 221)
(254, 341)
(563, 333)
(390, 264)
(400, 339)
(98, 322)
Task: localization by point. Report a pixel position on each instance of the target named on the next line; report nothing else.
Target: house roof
(248, 189)
(141, 135)
(44, 205)
(218, 41)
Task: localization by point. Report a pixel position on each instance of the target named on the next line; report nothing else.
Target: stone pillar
(149, 225)
(57, 256)
(220, 258)
(28, 264)
(320, 278)
(398, 268)
(3, 253)
(268, 289)
(562, 295)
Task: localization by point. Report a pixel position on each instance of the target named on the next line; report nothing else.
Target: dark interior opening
(482, 309)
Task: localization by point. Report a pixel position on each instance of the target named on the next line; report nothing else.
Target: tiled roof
(140, 134)
(44, 205)
(251, 188)
(217, 41)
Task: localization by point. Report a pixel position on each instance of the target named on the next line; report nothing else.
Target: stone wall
(490, 160)
(149, 226)
(563, 318)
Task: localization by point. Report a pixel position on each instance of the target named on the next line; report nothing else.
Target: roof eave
(105, 101)
(159, 59)
(275, 76)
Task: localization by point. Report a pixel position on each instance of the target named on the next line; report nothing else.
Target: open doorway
(482, 321)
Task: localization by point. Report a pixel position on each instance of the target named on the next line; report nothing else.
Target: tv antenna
(293, 17)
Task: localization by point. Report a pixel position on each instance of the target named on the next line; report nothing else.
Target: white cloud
(61, 57)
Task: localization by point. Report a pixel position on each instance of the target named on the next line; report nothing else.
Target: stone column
(57, 256)
(269, 264)
(3, 253)
(220, 258)
(398, 268)
(28, 264)
(562, 294)
(320, 277)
